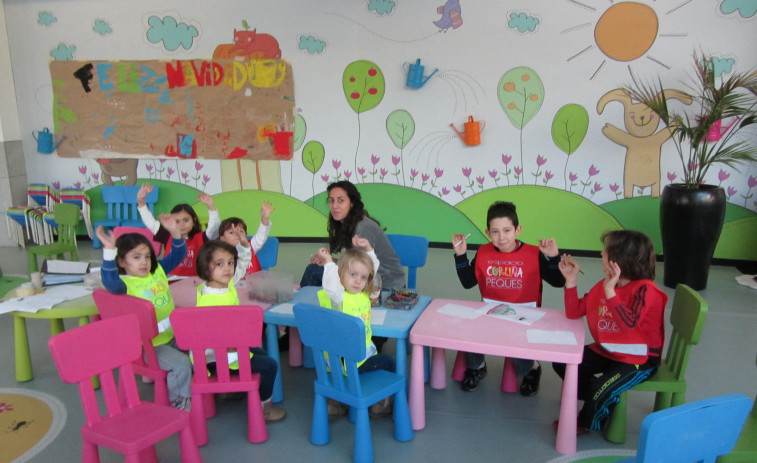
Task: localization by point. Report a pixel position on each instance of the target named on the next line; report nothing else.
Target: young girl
(227, 233)
(189, 227)
(130, 267)
(219, 265)
(347, 287)
(625, 313)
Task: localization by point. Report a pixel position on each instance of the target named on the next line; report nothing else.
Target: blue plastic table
(397, 325)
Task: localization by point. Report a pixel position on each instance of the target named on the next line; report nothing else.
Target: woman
(348, 218)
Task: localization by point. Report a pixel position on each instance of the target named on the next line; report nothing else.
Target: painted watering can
(414, 72)
(473, 129)
(45, 143)
(715, 132)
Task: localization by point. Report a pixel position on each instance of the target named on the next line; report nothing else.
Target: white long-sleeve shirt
(333, 285)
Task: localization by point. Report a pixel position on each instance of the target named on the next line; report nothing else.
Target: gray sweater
(391, 270)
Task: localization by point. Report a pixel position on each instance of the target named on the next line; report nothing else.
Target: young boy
(507, 270)
(228, 228)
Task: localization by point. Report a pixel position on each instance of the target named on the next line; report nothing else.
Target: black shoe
(472, 378)
(284, 342)
(530, 384)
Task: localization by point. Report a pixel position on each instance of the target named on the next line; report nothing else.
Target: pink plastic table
(490, 335)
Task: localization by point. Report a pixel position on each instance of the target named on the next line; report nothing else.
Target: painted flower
(614, 187)
(206, 178)
(396, 160)
(56, 185)
(457, 188)
(95, 176)
(671, 176)
(162, 161)
(347, 173)
(693, 165)
(541, 160)
(171, 171)
(375, 159)
(325, 178)
(413, 173)
(506, 159)
(593, 171)
(467, 171)
(383, 172)
(438, 172)
(573, 177)
(445, 191)
(198, 165)
(185, 175)
(480, 180)
(335, 164)
(732, 191)
(723, 175)
(148, 167)
(361, 170)
(493, 173)
(425, 177)
(549, 175)
(597, 187)
(518, 171)
(83, 170)
(751, 181)
(77, 185)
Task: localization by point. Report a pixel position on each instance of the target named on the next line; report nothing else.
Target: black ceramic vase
(690, 221)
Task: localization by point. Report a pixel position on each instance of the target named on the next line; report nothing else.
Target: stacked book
(60, 272)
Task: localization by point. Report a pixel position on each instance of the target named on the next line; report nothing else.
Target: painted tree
(364, 86)
(401, 127)
(569, 128)
(521, 94)
(312, 158)
(300, 131)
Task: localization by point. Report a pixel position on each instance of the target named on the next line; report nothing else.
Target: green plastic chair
(746, 446)
(66, 217)
(687, 317)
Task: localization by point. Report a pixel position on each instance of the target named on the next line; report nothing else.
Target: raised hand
(108, 239)
(570, 269)
(324, 256)
(170, 223)
(142, 193)
(241, 236)
(207, 200)
(265, 212)
(548, 247)
(363, 243)
(459, 244)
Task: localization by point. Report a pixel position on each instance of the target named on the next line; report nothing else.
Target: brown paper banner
(211, 109)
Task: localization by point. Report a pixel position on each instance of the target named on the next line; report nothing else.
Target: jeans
(260, 363)
(377, 362)
(313, 276)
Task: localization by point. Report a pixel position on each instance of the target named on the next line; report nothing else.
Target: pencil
(459, 242)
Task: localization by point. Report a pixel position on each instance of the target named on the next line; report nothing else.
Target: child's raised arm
(214, 220)
(144, 212)
(548, 247)
(363, 243)
(265, 212)
(108, 239)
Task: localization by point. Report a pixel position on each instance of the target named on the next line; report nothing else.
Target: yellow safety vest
(154, 288)
(357, 305)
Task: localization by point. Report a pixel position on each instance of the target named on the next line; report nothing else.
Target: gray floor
(483, 425)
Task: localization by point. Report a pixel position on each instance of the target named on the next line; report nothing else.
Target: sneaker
(529, 386)
(182, 403)
(472, 378)
(336, 409)
(382, 408)
(273, 414)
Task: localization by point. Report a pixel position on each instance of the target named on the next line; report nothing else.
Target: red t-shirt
(509, 276)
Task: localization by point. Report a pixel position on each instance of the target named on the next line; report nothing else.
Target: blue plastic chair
(697, 431)
(342, 336)
(269, 253)
(412, 251)
(121, 208)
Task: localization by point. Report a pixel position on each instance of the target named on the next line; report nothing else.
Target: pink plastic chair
(221, 328)
(114, 305)
(133, 429)
(157, 246)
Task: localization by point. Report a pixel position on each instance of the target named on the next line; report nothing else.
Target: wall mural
(549, 129)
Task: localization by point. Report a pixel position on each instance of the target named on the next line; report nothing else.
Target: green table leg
(21, 344)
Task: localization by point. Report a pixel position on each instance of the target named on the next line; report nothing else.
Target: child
(219, 265)
(130, 267)
(227, 233)
(189, 226)
(625, 313)
(507, 270)
(347, 287)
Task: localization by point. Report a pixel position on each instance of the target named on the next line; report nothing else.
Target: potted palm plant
(692, 212)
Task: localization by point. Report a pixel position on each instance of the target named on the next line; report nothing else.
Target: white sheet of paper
(460, 311)
(566, 338)
(378, 316)
(52, 295)
(284, 308)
